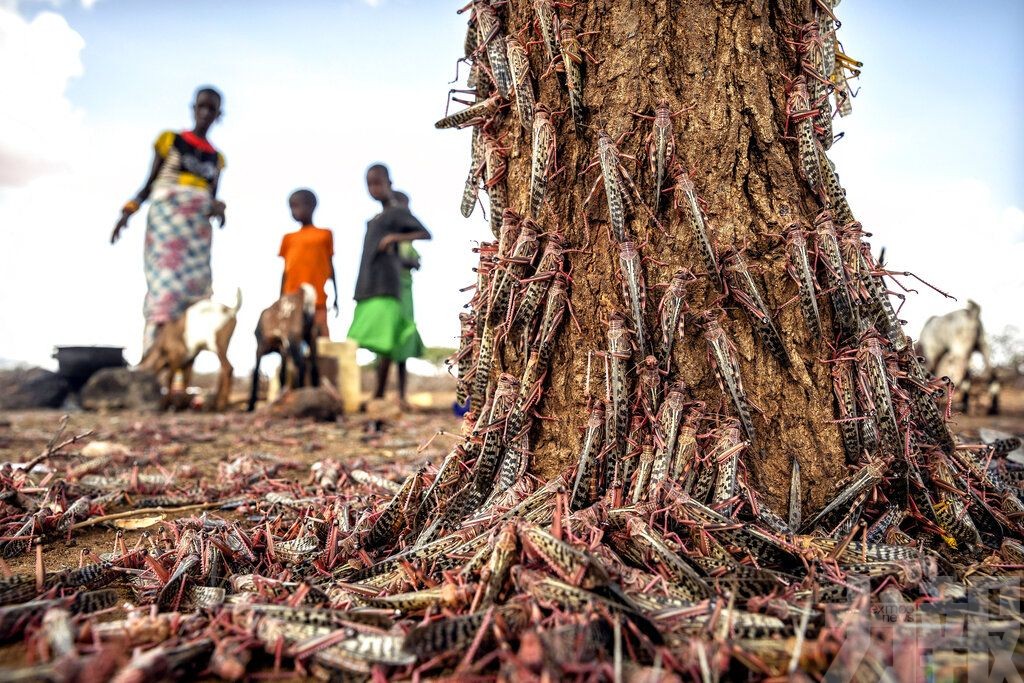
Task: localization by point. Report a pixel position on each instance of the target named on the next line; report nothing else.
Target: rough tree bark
(723, 66)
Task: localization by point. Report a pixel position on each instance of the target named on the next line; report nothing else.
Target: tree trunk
(723, 69)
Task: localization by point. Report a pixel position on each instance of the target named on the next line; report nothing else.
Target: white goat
(206, 326)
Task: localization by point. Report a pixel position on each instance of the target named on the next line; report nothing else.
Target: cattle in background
(948, 341)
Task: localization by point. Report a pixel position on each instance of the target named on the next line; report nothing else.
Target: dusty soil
(192, 445)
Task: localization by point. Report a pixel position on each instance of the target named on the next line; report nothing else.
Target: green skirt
(379, 325)
(411, 345)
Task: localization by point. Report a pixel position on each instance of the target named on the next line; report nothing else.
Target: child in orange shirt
(307, 255)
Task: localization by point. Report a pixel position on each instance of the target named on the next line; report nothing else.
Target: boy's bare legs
(402, 376)
(383, 366)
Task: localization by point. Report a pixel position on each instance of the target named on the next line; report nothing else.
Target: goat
(283, 328)
(205, 326)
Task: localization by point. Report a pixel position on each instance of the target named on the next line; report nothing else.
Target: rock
(317, 403)
(24, 388)
(121, 389)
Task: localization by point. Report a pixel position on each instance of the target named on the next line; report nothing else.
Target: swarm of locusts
(651, 557)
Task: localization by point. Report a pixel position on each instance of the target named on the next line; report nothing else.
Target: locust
(502, 556)
(585, 489)
(916, 384)
(686, 442)
(542, 158)
(93, 575)
(844, 94)
(751, 539)
(463, 358)
(577, 567)
(482, 369)
(950, 512)
(799, 112)
(873, 286)
(522, 81)
(795, 505)
(845, 388)
(573, 63)
(386, 526)
(366, 649)
(491, 37)
(508, 233)
(827, 246)
(550, 263)
(648, 387)
(869, 476)
(701, 481)
(618, 356)
(513, 465)
(494, 434)
(874, 377)
(799, 268)
(827, 34)
(475, 114)
(661, 146)
(745, 290)
(484, 271)
(686, 199)
(454, 634)
(671, 310)
(476, 168)
(729, 374)
(446, 595)
(670, 419)
(556, 305)
(617, 185)
(547, 589)
(174, 586)
(665, 559)
(76, 511)
(506, 280)
(642, 475)
(818, 81)
(634, 290)
(831, 190)
(496, 168)
(891, 518)
(547, 19)
(727, 454)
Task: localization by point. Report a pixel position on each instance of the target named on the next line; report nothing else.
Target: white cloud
(957, 236)
(39, 126)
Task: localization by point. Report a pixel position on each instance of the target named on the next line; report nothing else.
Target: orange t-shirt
(307, 258)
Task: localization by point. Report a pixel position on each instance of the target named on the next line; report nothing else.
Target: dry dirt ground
(193, 445)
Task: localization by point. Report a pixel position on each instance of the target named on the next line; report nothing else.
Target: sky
(317, 91)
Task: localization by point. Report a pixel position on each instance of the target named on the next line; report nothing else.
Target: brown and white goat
(206, 326)
(285, 328)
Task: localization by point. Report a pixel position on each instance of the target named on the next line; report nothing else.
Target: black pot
(76, 364)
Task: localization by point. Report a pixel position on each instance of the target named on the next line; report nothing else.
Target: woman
(182, 189)
(378, 323)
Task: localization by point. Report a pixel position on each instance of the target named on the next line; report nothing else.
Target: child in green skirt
(379, 322)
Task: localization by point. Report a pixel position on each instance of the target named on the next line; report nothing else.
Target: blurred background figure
(308, 257)
(182, 193)
(949, 341)
(409, 259)
(379, 322)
